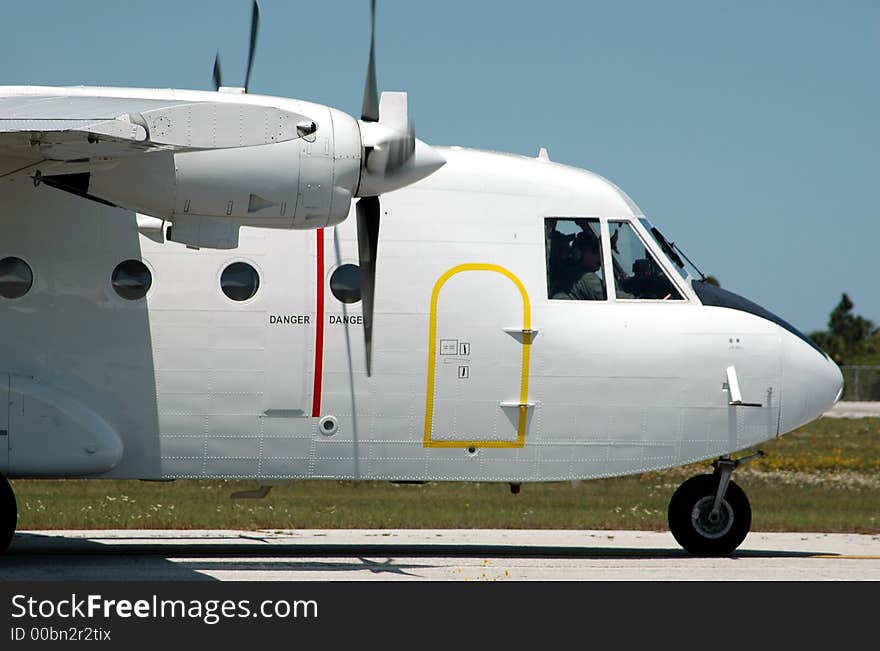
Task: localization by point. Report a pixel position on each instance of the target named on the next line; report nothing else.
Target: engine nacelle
(307, 182)
(213, 167)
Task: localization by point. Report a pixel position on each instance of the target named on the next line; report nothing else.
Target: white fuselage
(477, 374)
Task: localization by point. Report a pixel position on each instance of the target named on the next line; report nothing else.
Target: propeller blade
(218, 81)
(255, 26)
(370, 110)
(368, 240)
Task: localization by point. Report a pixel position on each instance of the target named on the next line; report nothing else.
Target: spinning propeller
(391, 158)
(255, 26)
(389, 144)
(368, 208)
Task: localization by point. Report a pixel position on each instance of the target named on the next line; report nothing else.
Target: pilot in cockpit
(647, 281)
(585, 257)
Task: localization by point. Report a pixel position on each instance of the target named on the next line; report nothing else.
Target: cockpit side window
(637, 275)
(575, 266)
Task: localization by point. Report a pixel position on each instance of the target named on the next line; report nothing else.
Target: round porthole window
(240, 281)
(16, 278)
(132, 280)
(345, 283)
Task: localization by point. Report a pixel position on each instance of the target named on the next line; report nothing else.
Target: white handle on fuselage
(735, 393)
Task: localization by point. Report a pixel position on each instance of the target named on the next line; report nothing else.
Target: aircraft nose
(812, 383)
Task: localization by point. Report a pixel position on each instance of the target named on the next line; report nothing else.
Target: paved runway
(854, 410)
(427, 555)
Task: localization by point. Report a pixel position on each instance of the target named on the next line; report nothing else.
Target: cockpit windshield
(682, 264)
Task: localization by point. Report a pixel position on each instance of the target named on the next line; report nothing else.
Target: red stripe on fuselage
(319, 325)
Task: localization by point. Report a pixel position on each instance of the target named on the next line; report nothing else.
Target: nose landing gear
(8, 514)
(710, 515)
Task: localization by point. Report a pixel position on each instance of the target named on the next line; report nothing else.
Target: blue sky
(747, 131)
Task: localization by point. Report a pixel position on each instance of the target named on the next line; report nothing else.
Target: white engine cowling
(208, 190)
(303, 183)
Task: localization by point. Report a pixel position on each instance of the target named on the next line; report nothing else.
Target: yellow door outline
(432, 361)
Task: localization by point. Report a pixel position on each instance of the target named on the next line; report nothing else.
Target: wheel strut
(724, 468)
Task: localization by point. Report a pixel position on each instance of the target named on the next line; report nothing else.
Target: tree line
(850, 339)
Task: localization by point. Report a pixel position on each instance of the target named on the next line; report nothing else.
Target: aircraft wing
(76, 130)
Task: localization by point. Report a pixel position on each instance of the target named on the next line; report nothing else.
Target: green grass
(824, 477)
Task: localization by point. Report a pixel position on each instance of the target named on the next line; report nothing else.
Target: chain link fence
(861, 383)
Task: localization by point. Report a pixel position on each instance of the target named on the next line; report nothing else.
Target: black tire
(688, 517)
(8, 514)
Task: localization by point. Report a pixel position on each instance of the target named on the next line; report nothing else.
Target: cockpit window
(575, 269)
(682, 264)
(636, 272)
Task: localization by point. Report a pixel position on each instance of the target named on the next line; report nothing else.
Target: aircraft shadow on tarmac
(53, 558)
